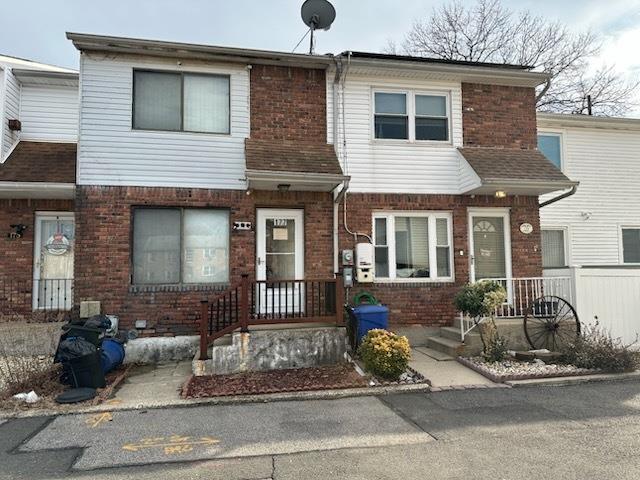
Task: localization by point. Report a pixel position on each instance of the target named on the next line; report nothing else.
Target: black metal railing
(45, 294)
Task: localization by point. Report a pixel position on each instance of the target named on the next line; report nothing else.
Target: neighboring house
(199, 164)
(600, 224)
(38, 135)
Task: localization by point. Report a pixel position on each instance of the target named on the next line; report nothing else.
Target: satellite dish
(317, 14)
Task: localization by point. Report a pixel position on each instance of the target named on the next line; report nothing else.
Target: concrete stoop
(447, 341)
(261, 350)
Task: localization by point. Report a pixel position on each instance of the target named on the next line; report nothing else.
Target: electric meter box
(364, 263)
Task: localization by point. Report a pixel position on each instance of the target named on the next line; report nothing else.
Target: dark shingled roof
(505, 164)
(40, 162)
(291, 156)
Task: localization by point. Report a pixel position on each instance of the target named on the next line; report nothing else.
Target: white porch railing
(520, 293)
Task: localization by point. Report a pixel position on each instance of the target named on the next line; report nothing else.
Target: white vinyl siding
(112, 153)
(606, 162)
(49, 113)
(397, 166)
(11, 110)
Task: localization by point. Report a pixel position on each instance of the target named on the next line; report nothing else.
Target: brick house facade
(289, 128)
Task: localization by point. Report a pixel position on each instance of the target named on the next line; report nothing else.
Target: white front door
(54, 246)
(489, 244)
(279, 261)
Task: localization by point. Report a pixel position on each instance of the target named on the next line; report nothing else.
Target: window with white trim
(553, 248)
(550, 145)
(413, 116)
(413, 246)
(631, 244)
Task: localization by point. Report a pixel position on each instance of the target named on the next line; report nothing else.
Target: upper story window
(550, 144)
(411, 116)
(391, 119)
(414, 246)
(631, 244)
(190, 102)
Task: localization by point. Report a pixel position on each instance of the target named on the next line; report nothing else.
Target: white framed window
(554, 247)
(413, 246)
(550, 145)
(166, 242)
(630, 243)
(176, 101)
(415, 116)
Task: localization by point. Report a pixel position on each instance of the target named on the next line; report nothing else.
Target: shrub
(480, 299)
(596, 348)
(385, 354)
(495, 345)
(26, 356)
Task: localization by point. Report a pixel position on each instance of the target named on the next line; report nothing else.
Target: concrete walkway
(153, 384)
(444, 372)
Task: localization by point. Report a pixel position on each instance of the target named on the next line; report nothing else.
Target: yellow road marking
(171, 445)
(97, 420)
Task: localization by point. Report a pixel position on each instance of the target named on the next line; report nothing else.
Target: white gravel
(537, 368)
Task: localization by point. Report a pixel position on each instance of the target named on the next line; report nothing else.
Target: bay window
(180, 246)
(176, 101)
(413, 246)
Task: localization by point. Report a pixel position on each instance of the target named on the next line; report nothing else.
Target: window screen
(631, 245)
(172, 246)
(553, 254)
(181, 101)
(157, 101)
(412, 247)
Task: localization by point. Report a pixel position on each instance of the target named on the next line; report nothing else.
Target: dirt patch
(274, 381)
(47, 386)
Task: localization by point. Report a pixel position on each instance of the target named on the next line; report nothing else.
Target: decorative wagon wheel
(550, 322)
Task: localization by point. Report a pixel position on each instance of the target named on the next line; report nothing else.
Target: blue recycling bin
(370, 317)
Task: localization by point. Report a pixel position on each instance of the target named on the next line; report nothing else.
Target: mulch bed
(274, 381)
(516, 370)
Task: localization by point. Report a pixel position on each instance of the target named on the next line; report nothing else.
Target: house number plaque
(526, 228)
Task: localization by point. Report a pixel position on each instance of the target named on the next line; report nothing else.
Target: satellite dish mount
(317, 14)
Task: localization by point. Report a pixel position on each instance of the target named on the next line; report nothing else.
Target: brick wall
(288, 103)
(432, 304)
(16, 261)
(498, 116)
(102, 263)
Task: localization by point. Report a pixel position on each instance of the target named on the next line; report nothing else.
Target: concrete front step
(453, 333)
(447, 346)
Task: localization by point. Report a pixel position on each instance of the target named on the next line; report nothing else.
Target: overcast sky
(35, 29)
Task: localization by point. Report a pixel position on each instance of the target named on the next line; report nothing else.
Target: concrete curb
(575, 380)
(235, 399)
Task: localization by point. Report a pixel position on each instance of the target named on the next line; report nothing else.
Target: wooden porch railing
(264, 302)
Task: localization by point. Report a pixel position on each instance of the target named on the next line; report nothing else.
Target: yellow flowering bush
(385, 354)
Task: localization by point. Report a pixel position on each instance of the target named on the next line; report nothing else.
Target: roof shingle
(279, 156)
(504, 164)
(40, 162)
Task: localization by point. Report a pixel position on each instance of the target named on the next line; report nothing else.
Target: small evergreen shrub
(596, 348)
(480, 299)
(385, 354)
(495, 349)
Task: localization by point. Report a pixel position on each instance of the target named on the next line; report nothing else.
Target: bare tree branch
(491, 32)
